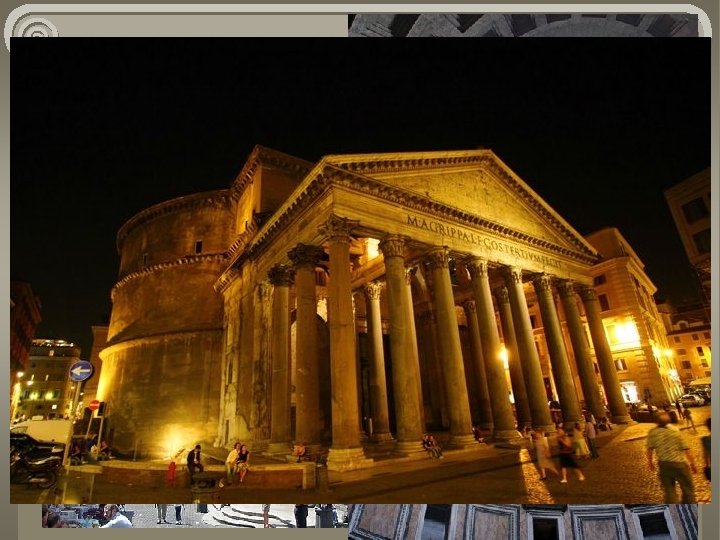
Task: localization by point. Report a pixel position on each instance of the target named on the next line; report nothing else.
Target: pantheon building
(360, 300)
(523, 522)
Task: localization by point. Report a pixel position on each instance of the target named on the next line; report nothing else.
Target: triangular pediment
(475, 182)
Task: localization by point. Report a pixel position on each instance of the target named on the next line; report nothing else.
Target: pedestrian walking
(590, 435)
(689, 422)
(178, 514)
(673, 456)
(679, 408)
(567, 456)
(579, 443)
(161, 513)
(706, 450)
(301, 513)
(171, 473)
(542, 453)
(266, 516)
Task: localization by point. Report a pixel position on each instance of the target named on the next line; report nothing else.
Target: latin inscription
(488, 243)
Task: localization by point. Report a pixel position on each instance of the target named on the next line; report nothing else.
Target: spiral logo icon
(37, 27)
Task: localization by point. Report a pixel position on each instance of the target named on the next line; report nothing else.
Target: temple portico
(386, 296)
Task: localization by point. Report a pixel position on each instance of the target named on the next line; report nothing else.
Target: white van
(44, 430)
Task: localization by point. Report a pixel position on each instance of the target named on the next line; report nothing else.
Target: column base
(380, 438)
(348, 459)
(461, 441)
(279, 448)
(547, 428)
(621, 419)
(507, 435)
(409, 448)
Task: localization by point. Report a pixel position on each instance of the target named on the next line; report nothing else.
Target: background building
(521, 522)
(46, 388)
(689, 203)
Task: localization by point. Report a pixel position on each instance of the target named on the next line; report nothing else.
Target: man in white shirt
(115, 519)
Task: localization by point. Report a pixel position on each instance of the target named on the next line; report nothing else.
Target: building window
(702, 241)
(599, 280)
(680, 352)
(198, 247)
(703, 363)
(686, 364)
(677, 339)
(144, 260)
(695, 337)
(533, 321)
(654, 526)
(604, 304)
(706, 335)
(545, 529)
(694, 210)
(700, 351)
(437, 522)
(620, 364)
(707, 373)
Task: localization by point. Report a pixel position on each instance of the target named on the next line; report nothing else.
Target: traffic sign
(94, 405)
(81, 370)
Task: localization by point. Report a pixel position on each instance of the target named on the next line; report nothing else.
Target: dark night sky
(101, 129)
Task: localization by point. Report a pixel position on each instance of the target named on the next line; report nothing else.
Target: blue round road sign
(81, 370)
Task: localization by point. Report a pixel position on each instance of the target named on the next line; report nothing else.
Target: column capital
(566, 287)
(542, 283)
(512, 274)
(501, 295)
(469, 306)
(281, 275)
(438, 258)
(587, 293)
(337, 229)
(373, 288)
(477, 267)
(393, 245)
(305, 255)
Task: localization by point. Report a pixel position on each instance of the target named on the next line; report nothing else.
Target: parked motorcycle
(41, 471)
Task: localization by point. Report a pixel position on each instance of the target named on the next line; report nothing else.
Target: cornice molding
(151, 269)
(261, 155)
(215, 199)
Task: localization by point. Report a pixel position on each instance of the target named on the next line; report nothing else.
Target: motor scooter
(39, 471)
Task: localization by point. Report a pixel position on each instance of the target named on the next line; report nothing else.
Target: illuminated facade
(688, 333)
(374, 290)
(521, 522)
(46, 388)
(636, 333)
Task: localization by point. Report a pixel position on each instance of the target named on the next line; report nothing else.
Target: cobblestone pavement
(485, 475)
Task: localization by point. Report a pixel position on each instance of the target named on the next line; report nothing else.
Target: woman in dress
(542, 453)
(243, 461)
(567, 456)
(579, 443)
(231, 463)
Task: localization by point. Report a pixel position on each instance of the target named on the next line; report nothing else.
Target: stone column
(503, 421)
(522, 407)
(346, 451)
(453, 367)
(611, 382)
(581, 348)
(307, 381)
(378, 384)
(486, 420)
(412, 336)
(562, 375)
(529, 359)
(280, 433)
(406, 372)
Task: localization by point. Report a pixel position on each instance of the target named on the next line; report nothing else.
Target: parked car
(692, 400)
(32, 448)
(704, 394)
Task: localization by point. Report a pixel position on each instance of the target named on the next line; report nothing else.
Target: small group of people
(87, 450)
(432, 447)
(162, 513)
(237, 463)
(566, 451)
(52, 520)
(300, 451)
